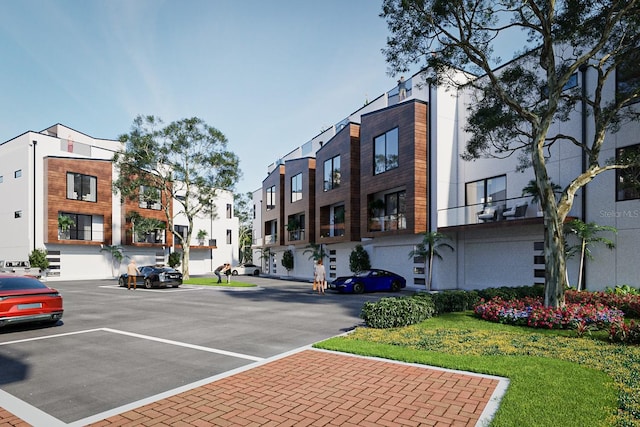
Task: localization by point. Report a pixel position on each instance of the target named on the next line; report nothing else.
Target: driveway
(116, 346)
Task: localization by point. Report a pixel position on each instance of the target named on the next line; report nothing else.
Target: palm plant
(428, 250)
(316, 250)
(587, 234)
(116, 252)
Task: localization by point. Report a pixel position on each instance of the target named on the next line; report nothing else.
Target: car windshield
(363, 273)
(19, 283)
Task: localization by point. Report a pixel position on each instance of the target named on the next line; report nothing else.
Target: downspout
(430, 162)
(583, 70)
(35, 143)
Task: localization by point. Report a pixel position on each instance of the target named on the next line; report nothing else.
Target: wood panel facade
(56, 200)
(346, 145)
(132, 206)
(273, 217)
(411, 173)
(305, 205)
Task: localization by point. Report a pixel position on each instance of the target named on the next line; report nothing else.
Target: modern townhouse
(62, 173)
(393, 169)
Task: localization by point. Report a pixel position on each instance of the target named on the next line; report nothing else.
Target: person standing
(132, 274)
(402, 89)
(320, 277)
(227, 272)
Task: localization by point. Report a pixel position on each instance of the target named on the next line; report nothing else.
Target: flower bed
(629, 304)
(531, 312)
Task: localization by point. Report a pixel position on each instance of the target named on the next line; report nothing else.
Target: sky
(270, 75)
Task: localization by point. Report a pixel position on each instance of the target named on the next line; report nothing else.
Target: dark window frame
(383, 162)
(296, 187)
(79, 188)
(331, 174)
(631, 191)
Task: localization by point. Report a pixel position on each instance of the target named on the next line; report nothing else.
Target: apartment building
(393, 169)
(60, 172)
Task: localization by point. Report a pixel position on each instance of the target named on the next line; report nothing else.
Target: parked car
(22, 267)
(155, 276)
(245, 269)
(369, 281)
(26, 299)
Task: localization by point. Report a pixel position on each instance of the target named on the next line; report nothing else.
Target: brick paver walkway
(318, 388)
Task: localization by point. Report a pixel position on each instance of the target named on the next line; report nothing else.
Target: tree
(514, 106)
(187, 161)
(359, 259)
(287, 260)
(427, 249)
(315, 250)
(175, 258)
(244, 211)
(116, 253)
(587, 235)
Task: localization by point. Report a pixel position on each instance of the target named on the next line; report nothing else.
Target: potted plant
(531, 189)
(202, 234)
(64, 224)
(376, 214)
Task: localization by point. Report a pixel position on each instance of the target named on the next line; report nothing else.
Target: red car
(26, 299)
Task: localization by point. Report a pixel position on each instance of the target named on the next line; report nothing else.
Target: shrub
(625, 332)
(531, 312)
(397, 311)
(628, 303)
(623, 290)
(287, 260)
(452, 301)
(175, 258)
(510, 293)
(38, 259)
(359, 259)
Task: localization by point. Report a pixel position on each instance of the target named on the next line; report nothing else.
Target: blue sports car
(369, 281)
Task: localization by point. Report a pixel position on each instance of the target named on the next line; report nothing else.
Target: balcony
(388, 223)
(270, 239)
(515, 209)
(332, 230)
(298, 234)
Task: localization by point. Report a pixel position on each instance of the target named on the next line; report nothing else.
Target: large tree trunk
(554, 261)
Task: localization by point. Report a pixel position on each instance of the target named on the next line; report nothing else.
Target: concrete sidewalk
(316, 387)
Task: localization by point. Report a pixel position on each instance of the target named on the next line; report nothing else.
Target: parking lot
(117, 347)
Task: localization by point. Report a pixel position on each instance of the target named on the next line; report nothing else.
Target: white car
(245, 269)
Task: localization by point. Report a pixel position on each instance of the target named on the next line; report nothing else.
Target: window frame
(79, 187)
(296, 187)
(148, 203)
(331, 175)
(621, 193)
(270, 197)
(484, 200)
(383, 141)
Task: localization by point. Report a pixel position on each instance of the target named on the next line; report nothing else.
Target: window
(1, 178)
(385, 152)
(81, 187)
(149, 198)
(486, 191)
(254, 211)
(181, 230)
(296, 227)
(628, 76)
(18, 173)
(271, 197)
(332, 173)
(628, 180)
(395, 208)
(296, 188)
(228, 237)
(79, 227)
(17, 214)
(229, 210)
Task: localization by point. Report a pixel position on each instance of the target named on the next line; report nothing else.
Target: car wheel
(358, 288)
(256, 272)
(148, 284)
(175, 286)
(234, 273)
(121, 282)
(395, 286)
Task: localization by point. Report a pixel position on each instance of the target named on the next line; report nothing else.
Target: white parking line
(164, 290)
(36, 417)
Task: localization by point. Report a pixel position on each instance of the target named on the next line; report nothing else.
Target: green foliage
(623, 290)
(531, 189)
(65, 222)
(287, 260)
(398, 311)
(359, 259)
(38, 259)
(428, 250)
(202, 234)
(510, 293)
(452, 301)
(175, 258)
(316, 251)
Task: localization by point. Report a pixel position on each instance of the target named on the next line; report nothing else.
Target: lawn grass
(212, 281)
(555, 377)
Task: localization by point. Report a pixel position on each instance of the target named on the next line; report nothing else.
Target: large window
(80, 227)
(332, 173)
(628, 180)
(296, 188)
(385, 152)
(81, 187)
(150, 198)
(486, 191)
(271, 197)
(628, 76)
(395, 208)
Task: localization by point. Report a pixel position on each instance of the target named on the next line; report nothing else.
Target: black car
(155, 276)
